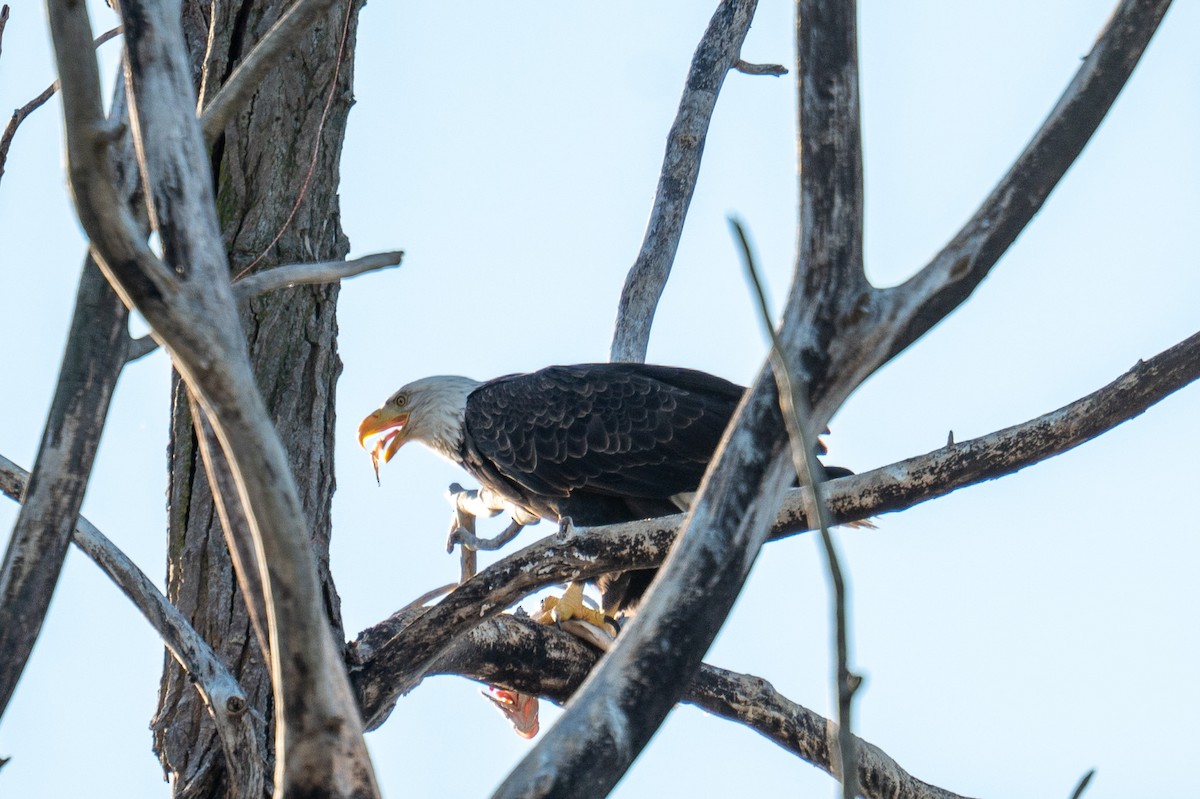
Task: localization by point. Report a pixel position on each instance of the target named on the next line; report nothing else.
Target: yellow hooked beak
(392, 430)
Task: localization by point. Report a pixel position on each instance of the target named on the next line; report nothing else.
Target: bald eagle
(600, 443)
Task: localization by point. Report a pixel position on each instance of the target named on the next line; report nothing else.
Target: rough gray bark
(261, 164)
(514, 652)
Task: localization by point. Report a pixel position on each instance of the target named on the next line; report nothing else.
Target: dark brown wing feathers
(615, 430)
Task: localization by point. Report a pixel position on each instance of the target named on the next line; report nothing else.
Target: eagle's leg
(469, 505)
(463, 524)
(465, 536)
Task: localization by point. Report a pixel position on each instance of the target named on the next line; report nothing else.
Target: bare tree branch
(804, 460)
(285, 276)
(1083, 784)
(537, 659)
(718, 52)
(236, 91)
(319, 746)
(916, 305)
(754, 702)
(408, 653)
(224, 697)
(3, 23)
(92, 362)
(746, 68)
(288, 275)
(24, 111)
(34, 556)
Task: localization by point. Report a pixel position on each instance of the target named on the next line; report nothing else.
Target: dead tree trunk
(275, 169)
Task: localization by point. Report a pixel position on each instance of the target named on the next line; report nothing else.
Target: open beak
(521, 710)
(391, 429)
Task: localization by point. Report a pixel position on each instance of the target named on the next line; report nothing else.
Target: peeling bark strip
(718, 52)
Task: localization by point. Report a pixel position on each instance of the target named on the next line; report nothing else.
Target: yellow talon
(556, 610)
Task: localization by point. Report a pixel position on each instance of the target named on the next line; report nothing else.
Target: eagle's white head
(429, 410)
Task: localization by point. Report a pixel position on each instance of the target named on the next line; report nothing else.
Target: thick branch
(405, 655)
(537, 659)
(92, 362)
(319, 746)
(829, 279)
(34, 557)
(718, 52)
(222, 694)
(915, 306)
(620, 707)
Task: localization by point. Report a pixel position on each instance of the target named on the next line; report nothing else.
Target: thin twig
(746, 68)
(286, 276)
(24, 111)
(1083, 784)
(791, 399)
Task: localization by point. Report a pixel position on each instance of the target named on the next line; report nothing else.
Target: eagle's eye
(401, 400)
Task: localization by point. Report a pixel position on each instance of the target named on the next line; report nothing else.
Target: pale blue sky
(1012, 635)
